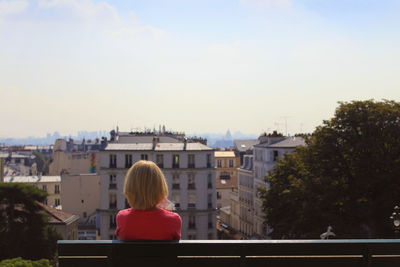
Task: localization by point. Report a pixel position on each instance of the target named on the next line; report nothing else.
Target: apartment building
(75, 157)
(188, 166)
(50, 184)
(226, 176)
(271, 148)
(246, 196)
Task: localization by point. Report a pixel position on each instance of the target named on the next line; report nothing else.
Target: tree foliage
(348, 176)
(19, 262)
(23, 224)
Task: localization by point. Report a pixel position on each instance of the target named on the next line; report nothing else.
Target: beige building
(64, 223)
(50, 184)
(246, 196)
(81, 195)
(226, 176)
(73, 158)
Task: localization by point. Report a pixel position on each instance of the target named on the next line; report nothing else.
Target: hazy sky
(195, 66)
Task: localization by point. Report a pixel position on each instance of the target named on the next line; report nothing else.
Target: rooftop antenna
(285, 118)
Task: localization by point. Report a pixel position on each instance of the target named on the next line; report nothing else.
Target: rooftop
(224, 154)
(288, 142)
(244, 145)
(32, 179)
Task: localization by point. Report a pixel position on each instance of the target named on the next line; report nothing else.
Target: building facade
(50, 184)
(266, 154)
(188, 168)
(226, 176)
(246, 196)
(71, 157)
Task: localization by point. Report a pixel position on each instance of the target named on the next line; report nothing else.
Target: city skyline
(195, 66)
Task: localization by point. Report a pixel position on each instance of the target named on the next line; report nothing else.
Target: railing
(210, 253)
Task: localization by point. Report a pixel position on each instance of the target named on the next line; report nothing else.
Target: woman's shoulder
(171, 214)
(124, 212)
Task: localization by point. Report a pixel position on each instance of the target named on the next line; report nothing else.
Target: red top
(156, 224)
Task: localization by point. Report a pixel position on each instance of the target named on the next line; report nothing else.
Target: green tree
(348, 176)
(19, 262)
(23, 224)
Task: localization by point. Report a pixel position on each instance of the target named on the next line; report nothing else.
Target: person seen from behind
(146, 190)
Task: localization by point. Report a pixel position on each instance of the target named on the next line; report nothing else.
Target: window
(192, 221)
(160, 161)
(191, 181)
(176, 200)
(175, 181)
(112, 222)
(191, 161)
(57, 189)
(219, 163)
(209, 201)
(84, 214)
(113, 181)
(208, 160)
(128, 161)
(113, 161)
(275, 155)
(225, 176)
(209, 181)
(44, 187)
(57, 202)
(191, 201)
(218, 195)
(144, 157)
(210, 221)
(175, 161)
(113, 201)
(231, 163)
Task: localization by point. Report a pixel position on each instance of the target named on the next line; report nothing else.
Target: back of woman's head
(145, 186)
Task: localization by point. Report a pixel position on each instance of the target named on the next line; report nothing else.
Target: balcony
(192, 186)
(113, 205)
(217, 253)
(175, 166)
(112, 166)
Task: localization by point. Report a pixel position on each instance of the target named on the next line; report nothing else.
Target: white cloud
(12, 7)
(267, 3)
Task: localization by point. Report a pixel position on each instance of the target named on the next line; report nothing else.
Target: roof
(146, 139)
(14, 155)
(244, 145)
(129, 146)
(158, 147)
(224, 154)
(288, 142)
(58, 216)
(32, 179)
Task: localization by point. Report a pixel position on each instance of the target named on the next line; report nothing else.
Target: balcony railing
(175, 166)
(217, 253)
(191, 166)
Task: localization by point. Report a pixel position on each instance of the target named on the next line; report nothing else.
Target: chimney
(155, 141)
(184, 143)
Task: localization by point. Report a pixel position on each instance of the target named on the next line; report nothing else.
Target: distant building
(71, 157)
(226, 176)
(64, 223)
(271, 148)
(188, 166)
(246, 196)
(17, 163)
(244, 147)
(50, 184)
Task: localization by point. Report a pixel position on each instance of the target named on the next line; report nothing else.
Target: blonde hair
(145, 186)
